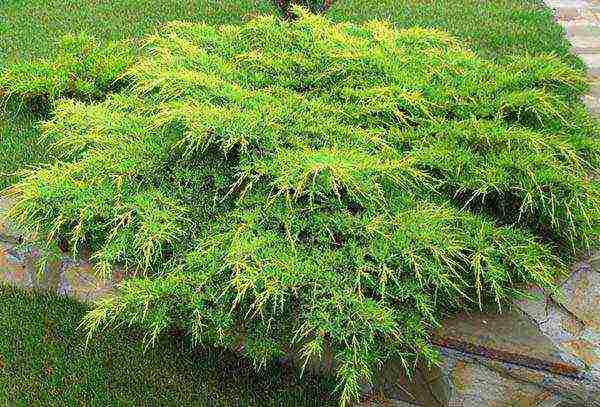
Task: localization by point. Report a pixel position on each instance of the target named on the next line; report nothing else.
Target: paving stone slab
(476, 381)
(592, 61)
(592, 100)
(568, 3)
(582, 290)
(507, 333)
(576, 17)
(592, 14)
(595, 89)
(583, 37)
(568, 14)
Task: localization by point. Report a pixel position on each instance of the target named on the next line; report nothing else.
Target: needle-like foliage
(319, 188)
(82, 69)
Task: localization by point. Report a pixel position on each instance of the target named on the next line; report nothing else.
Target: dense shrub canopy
(83, 69)
(315, 188)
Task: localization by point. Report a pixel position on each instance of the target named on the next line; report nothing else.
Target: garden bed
(559, 237)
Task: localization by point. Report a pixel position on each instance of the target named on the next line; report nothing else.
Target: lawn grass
(44, 361)
(492, 27)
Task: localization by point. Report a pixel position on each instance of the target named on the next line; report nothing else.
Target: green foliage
(82, 69)
(492, 28)
(309, 187)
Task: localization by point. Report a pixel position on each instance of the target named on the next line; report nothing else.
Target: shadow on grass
(44, 361)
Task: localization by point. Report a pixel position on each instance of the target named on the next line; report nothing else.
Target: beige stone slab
(592, 61)
(569, 18)
(595, 90)
(567, 14)
(582, 290)
(584, 37)
(592, 99)
(476, 383)
(567, 3)
(510, 332)
(591, 14)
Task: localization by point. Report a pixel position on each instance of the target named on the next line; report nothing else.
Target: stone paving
(581, 21)
(541, 353)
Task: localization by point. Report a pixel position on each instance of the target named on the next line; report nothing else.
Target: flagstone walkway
(581, 21)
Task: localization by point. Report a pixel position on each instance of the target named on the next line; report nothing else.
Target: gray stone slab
(559, 326)
(582, 290)
(595, 89)
(593, 105)
(572, 320)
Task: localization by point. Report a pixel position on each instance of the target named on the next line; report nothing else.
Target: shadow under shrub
(319, 188)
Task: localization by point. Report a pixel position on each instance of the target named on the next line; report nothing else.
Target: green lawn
(492, 27)
(44, 361)
(42, 356)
